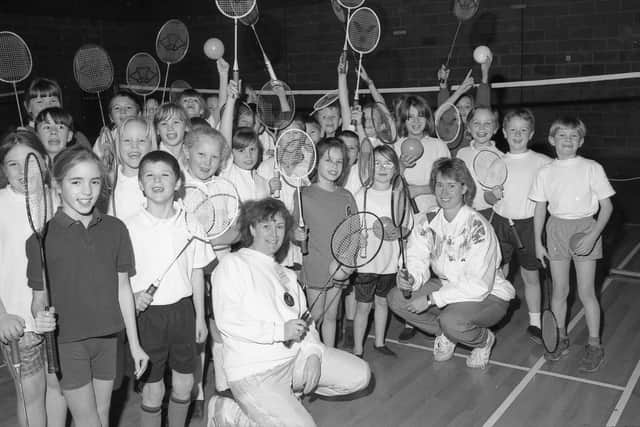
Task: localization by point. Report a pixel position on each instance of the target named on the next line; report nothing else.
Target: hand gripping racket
(463, 10)
(172, 44)
(346, 244)
(143, 75)
(402, 219)
(491, 171)
(363, 34)
(550, 331)
(36, 199)
(295, 159)
(366, 172)
(15, 63)
(235, 9)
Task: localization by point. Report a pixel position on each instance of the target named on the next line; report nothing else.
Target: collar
(152, 220)
(66, 221)
(491, 146)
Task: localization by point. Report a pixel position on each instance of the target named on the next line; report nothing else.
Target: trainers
(592, 359)
(443, 348)
(535, 334)
(479, 357)
(407, 333)
(561, 351)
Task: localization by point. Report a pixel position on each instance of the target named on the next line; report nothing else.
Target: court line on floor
(626, 259)
(624, 399)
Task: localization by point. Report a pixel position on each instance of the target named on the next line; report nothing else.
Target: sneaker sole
(594, 369)
(551, 358)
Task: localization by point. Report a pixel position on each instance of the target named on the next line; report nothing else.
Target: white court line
(626, 259)
(625, 273)
(624, 399)
(582, 380)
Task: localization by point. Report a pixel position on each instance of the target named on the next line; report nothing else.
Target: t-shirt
(249, 184)
(353, 183)
(83, 266)
(14, 231)
(322, 211)
(128, 196)
(572, 187)
(468, 154)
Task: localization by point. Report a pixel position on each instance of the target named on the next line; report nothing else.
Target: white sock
(534, 320)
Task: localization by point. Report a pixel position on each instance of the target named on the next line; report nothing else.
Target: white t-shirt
(128, 196)
(249, 184)
(522, 169)
(156, 242)
(353, 183)
(15, 294)
(468, 154)
(379, 203)
(572, 187)
(420, 174)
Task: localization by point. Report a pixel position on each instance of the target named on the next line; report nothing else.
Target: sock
(150, 417)
(534, 320)
(177, 414)
(348, 323)
(408, 326)
(594, 341)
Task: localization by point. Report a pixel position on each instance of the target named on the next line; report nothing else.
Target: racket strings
(15, 58)
(93, 69)
(448, 124)
(351, 4)
(235, 8)
(366, 164)
(252, 17)
(465, 9)
(172, 42)
(35, 194)
(363, 30)
(325, 101)
(385, 127)
(490, 169)
(143, 74)
(351, 236)
(295, 154)
(269, 107)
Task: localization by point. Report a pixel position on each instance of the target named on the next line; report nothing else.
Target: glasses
(384, 165)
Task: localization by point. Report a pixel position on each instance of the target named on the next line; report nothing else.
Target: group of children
(100, 265)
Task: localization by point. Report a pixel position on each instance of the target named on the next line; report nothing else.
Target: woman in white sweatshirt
(470, 294)
(270, 355)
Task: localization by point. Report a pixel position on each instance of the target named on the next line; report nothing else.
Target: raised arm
(223, 76)
(343, 91)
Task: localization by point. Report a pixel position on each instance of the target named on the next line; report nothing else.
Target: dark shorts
(526, 255)
(368, 285)
(88, 359)
(168, 336)
(31, 347)
(559, 232)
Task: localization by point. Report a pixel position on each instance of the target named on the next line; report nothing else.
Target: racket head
(550, 335)
(93, 69)
(15, 58)
(363, 30)
(199, 213)
(351, 235)
(324, 101)
(269, 107)
(177, 87)
(252, 17)
(223, 196)
(35, 193)
(383, 123)
(465, 9)
(350, 4)
(235, 9)
(172, 41)
(448, 124)
(490, 169)
(366, 163)
(401, 213)
(143, 74)
(295, 154)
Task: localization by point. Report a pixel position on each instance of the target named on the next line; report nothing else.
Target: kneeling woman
(270, 355)
(470, 293)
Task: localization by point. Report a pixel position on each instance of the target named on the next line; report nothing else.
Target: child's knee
(181, 385)
(152, 394)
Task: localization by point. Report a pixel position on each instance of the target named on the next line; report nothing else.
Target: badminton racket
(295, 159)
(363, 35)
(271, 114)
(463, 10)
(17, 366)
(550, 331)
(177, 87)
(448, 124)
(366, 172)
(37, 214)
(324, 101)
(172, 44)
(402, 220)
(383, 123)
(279, 88)
(15, 63)
(143, 75)
(235, 9)
(491, 172)
(346, 243)
(349, 5)
(207, 216)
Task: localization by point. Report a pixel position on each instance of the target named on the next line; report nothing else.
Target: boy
(512, 202)
(575, 189)
(54, 127)
(169, 328)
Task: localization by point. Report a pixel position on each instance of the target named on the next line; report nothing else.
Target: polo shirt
(83, 266)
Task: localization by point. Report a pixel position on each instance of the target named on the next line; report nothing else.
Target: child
(324, 205)
(575, 189)
(214, 110)
(16, 319)
(482, 125)
(54, 127)
(122, 106)
(42, 93)
(135, 139)
(150, 109)
(90, 260)
(169, 329)
(171, 123)
(312, 128)
(374, 280)
(513, 203)
(416, 121)
(351, 141)
(193, 103)
(329, 120)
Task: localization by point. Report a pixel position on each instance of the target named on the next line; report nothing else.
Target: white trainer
(479, 357)
(443, 348)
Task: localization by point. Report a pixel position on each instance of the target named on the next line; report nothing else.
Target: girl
(324, 205)
(90, 260)
(16, 319)
(374, 280)
(247, 151)
(193, 103)
(171, 123)
(122, 106)
(416, 121)
(54, 127)
(42, 93)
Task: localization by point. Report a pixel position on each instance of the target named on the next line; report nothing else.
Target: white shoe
(479, 357)
(443, 348)
(218, 411)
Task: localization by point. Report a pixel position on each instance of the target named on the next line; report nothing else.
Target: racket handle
(278, 89)
(15, 353)
(304, 246)
(151, 290)
(414, 205)
(515, 234)
(406, 294)
(236, 78)
(306, 316)
(276, 193)
(53, 363)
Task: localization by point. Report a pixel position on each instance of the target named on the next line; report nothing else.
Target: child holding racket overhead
(512, 202)
(324, 205)
(90, 260)
(573, 189)
(171, 321)
(17, 323)
(171, 123)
